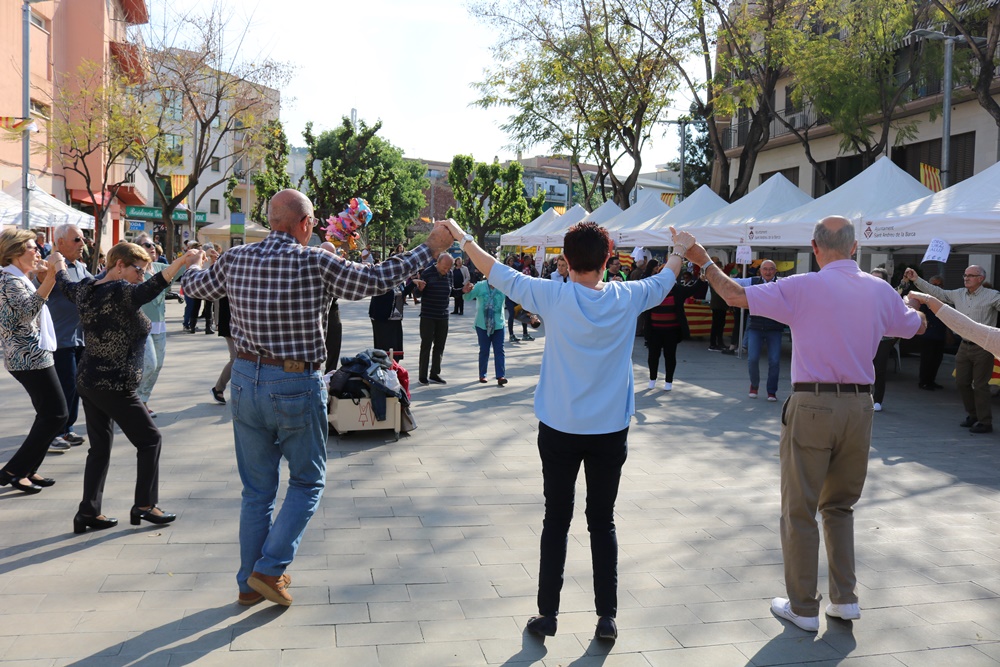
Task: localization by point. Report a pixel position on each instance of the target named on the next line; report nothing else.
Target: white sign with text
(937, 251)
(743, 254)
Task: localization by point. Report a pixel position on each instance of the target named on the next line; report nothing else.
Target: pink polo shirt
(837, 316)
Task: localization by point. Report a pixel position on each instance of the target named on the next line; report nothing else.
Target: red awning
(83, 197)
(128, 195)
(129, 60)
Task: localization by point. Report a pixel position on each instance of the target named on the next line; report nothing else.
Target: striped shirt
(280, 292)
(980, 306)
(435, 297)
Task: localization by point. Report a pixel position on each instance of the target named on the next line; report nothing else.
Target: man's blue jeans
(276, 414)
(496, 341)
(754, 339)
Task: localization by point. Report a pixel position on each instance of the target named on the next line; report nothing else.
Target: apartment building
(62, 35)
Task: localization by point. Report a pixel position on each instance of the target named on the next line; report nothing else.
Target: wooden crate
(345, 415)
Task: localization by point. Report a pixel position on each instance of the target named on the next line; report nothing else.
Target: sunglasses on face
(147, 245)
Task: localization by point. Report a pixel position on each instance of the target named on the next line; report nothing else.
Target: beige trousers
(825, 438)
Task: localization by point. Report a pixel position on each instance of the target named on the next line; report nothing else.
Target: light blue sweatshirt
(585, 385)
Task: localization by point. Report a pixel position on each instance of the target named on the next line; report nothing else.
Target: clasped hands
(687, 245)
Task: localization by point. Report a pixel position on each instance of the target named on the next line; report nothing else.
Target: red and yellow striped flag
(177, 183)
(669, 198)
(17, 124)
(930, 177)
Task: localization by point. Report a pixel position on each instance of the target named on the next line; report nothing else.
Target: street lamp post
(949, 46)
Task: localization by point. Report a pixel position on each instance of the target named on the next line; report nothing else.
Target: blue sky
(408, 63)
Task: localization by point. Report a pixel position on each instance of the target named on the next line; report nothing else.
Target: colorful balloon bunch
(343, 229)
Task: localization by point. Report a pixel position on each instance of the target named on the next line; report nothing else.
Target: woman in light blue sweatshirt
(584, 401)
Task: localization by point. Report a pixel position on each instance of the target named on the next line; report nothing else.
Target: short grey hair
(443, 255)
(839, 240)
(64, 231)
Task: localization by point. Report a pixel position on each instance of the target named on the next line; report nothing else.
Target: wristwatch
(465, 239)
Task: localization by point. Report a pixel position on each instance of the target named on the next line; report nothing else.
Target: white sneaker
(753, 392)
(782, 608)
(652, 384)
(848, 612)
(878, 407)
(667, 386)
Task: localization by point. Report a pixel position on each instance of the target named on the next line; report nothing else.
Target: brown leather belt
(289, 365)
(821, 387)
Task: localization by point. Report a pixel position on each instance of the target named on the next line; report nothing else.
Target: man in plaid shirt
(279, 295)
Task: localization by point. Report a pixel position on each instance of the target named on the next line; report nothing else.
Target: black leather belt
(289, 365)
(821, 387)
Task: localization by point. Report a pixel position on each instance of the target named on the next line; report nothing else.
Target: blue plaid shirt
(280, 292)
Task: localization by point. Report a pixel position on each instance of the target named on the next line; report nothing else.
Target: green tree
(490, 197)
(851, 74)
(356, 162)
(97, 131)
(579, 80)
(274, 177)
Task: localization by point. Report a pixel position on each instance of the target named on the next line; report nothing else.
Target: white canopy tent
(219, 233)
(738, 223)
(10, 209)
(967, 213)
(600, 215)
(881, 185)
(655, 233)
(641, 212)
(516, 237)
(46, 210)
(556, 229)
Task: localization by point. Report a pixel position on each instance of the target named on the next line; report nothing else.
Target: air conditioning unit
(798, 120)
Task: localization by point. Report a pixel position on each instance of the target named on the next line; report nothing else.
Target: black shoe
(437, 379)
(41, 481)
(81, 522)
(191, 330)
(217, 395)
(422, 381)
(969, 422)
(7, 478)
(501, 381)
(527, 337)
(606, 628)
(513, 339)
(980, 427)
(542, 626)
(209, 331)
(727, 351)
(928, 387)
(72, 438)
(935, 385)
(137, 515)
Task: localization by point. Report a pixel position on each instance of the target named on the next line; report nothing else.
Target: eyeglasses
(139, 269)
(973, 275)
(78, 239)
(147, 245)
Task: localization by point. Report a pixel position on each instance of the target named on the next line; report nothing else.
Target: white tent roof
(556, 229)
(602, 213)
(10, 209)
(514, 237)
(736, 224)
(881, 185)
(653, 233)
(966, 213)
(222, 229)
(46, 210)
(642, 211)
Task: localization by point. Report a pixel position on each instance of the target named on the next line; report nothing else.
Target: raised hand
(910, 275)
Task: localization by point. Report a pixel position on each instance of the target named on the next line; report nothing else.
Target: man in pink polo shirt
(837, 316)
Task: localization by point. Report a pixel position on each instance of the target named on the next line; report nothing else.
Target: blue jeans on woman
(754, 339)
(499, 360)
(602, 456)
(276, 414)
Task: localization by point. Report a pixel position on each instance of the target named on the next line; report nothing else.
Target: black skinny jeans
(931, 355)
(50, 419)
(663, 341)
(334, 337)
(104, 409)
(718, 331)
(510, 319)
(603, 456)
(881, 363)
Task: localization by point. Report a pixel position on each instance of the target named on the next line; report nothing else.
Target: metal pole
(946, 117)
(683, 151)
(25, 112)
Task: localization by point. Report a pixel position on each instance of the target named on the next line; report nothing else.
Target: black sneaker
(72, 438)
(980, 427)
(527, 337)
(513, 339)
(217, 395)
(437, 379)
(422, 380)
(606, 629)
(542, 625)
(969, 422)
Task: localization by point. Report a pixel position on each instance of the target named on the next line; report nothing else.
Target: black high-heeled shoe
(137, 515)
(11, 479)
(41, 481)
(81, 522)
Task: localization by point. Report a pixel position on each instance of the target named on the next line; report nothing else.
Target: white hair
(64, 231)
